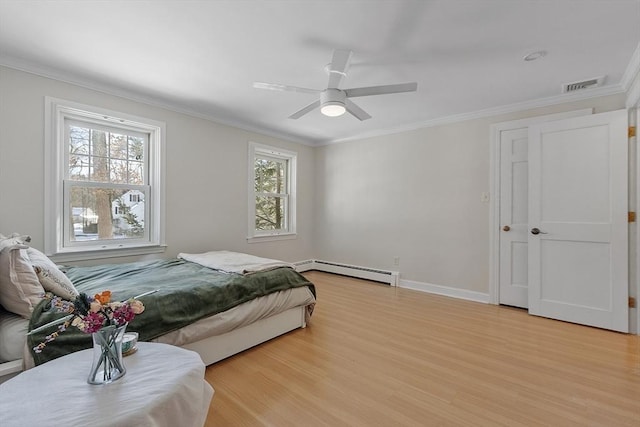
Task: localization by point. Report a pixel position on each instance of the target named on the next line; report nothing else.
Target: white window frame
(290, 157)
(57, 112)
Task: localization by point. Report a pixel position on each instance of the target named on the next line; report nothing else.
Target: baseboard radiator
(377, 275)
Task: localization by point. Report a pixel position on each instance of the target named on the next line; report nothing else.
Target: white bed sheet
(234, 262)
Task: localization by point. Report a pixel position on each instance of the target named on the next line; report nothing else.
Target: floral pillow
(20, 289)
(50, 276)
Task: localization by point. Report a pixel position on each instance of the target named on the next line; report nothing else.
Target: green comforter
(187, 292)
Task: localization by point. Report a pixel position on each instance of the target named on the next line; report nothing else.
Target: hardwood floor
(374, 355)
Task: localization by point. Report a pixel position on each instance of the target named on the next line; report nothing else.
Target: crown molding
(632, 70)
(630, 79)
(113, 90)
(495, 111)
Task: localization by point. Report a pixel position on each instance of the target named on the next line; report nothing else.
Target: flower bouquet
(106, 320)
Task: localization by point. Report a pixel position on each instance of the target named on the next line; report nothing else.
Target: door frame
(634, 243)
(494, 185)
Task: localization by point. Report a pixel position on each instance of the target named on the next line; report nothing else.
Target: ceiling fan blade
(305, 110)
(358, 112)
(283, 88)
(381, 90)
(338, 67)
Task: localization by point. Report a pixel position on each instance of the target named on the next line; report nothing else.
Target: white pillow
(15, 240)
(50, 276)
(20, 289)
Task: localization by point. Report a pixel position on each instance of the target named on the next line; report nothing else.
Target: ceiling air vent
(584, 84)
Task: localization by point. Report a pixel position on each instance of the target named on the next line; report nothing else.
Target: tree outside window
(272, 176)
(104, 178)
(106, 183)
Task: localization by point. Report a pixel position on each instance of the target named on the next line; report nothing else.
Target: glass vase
(107, 355)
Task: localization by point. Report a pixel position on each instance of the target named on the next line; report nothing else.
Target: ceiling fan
(334, 101)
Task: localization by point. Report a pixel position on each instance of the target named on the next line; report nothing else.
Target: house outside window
(272, 193)
(104, 182)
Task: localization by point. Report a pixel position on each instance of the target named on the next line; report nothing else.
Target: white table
(164, 386)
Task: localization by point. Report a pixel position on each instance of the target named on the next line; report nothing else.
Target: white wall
(416, 195)
(206, 171)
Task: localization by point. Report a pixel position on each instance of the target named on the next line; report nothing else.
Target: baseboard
(377, 275)
(390, 277)
(445, 291)
(306, 265)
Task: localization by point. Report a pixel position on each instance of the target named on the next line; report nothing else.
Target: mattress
(13, 336)
(13, 328)
(239, 316)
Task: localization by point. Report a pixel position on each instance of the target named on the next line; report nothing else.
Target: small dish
(129, 342)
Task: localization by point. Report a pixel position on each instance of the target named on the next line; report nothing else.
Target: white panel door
(513, 207)
(513, 217)
(578, 237)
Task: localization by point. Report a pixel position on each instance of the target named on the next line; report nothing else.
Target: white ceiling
(202, 57)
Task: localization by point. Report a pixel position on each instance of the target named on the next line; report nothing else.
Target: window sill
(106, 253)
(272, 237)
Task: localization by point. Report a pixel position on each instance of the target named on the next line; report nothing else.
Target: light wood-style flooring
(374, 355)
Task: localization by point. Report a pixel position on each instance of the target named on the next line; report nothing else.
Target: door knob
(536, 230)
(506, 228)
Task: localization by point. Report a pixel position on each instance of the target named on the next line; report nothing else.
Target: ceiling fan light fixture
(335, 102)
(333, 108)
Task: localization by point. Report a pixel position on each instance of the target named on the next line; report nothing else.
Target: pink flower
(123, 314)
(93, 322)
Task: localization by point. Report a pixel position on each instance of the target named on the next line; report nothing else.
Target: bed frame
(216, 348)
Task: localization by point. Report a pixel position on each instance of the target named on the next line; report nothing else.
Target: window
(272, 195)
(104, 182)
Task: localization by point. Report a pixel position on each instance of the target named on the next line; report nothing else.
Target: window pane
(79, 167)
(136, 173)
(270, 213)
(79, 140)
(118, 146)
(105, 156)
(106, 213)
(118, 171)
(136, 148)
(270, 176)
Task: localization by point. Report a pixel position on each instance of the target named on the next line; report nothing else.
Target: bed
(200, 305)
